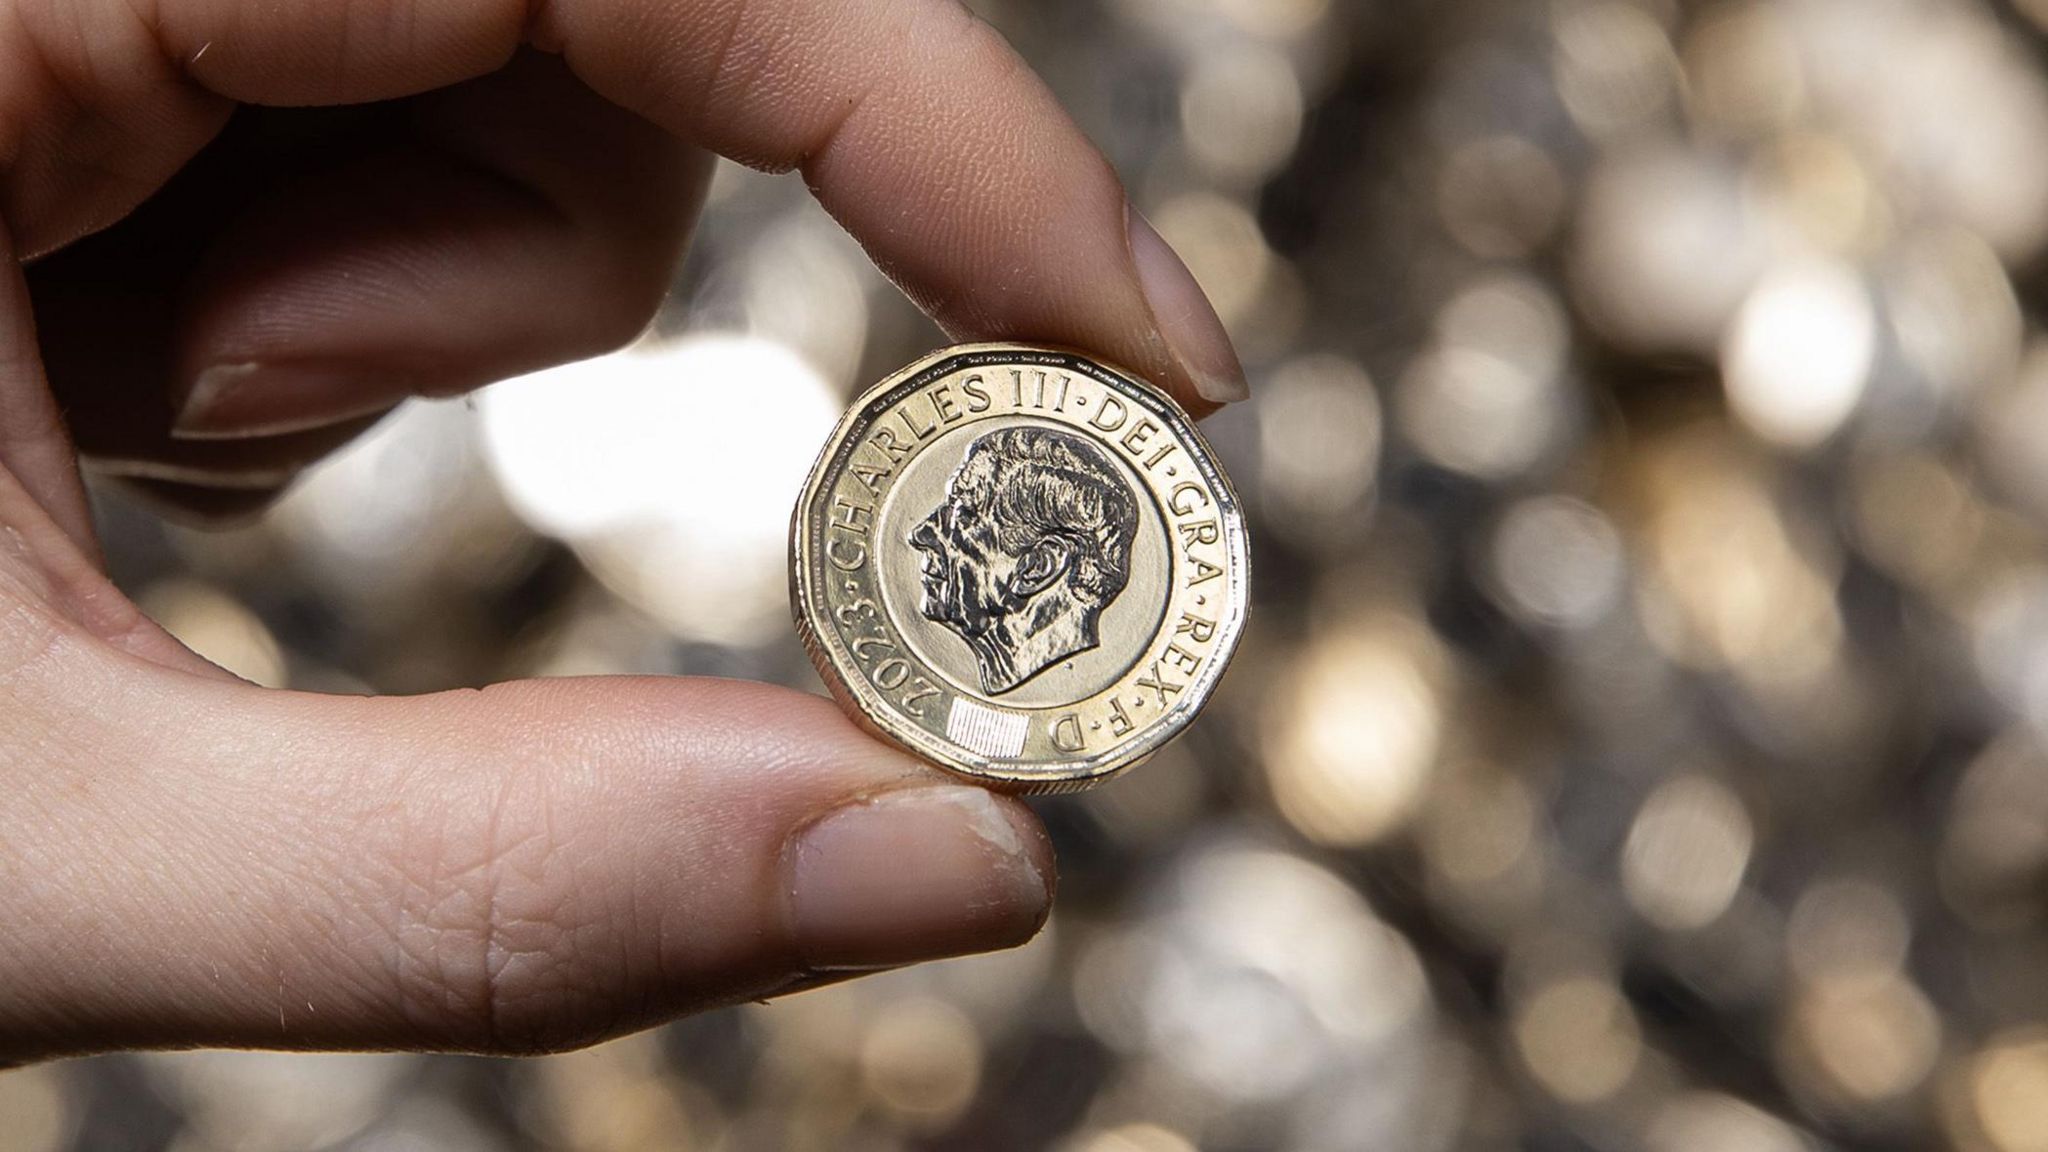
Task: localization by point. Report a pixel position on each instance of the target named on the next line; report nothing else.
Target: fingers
(208, 484)
(33, 441)
(293, 283)
(916, 125)
(531, 223)
(53, 596)
(533, 866)
(924, 134)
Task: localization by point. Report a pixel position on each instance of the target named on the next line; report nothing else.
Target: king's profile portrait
(1031, 544)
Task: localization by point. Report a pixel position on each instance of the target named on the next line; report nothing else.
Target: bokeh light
(1668, 244)
(1686, 852)
(922, 1061)
(1800, 352)
(1241, 112)
(1557, 562)
(1579, 1039)
(40, 1114)
(1319, 450)
(2008, 1091)
(218, 627)
(669, 468)
(1354, 732)
(1489, 398)
(1869, 1040)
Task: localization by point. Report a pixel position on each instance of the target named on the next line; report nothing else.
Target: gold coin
(1020, 564)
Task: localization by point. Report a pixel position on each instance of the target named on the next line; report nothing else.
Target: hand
(190, 860)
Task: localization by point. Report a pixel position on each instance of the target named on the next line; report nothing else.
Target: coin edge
(1230, 627)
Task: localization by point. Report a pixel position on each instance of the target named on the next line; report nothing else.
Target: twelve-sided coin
(1021, 564)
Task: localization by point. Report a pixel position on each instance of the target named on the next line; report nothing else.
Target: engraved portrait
(1032, 543)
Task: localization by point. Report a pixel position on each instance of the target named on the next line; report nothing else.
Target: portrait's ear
(1041, 565)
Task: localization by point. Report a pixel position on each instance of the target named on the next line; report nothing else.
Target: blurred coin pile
(1641, 742)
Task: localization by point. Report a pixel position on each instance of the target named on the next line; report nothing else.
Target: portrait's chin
(932, 584)
(941, 604)
(933, 601)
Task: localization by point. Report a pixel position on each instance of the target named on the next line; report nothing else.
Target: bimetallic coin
(1021, 564)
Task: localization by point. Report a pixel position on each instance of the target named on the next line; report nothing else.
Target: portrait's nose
(926, 535)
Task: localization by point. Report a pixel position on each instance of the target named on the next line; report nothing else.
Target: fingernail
(247, 400)
(251, 479)
(1184, 316)
(914, 875)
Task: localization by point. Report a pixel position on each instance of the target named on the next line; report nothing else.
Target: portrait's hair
(1039, 483)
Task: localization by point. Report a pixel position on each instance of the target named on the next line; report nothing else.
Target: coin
(1021, 564)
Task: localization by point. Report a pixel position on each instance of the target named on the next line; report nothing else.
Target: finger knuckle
(496, 947)
(92, 115)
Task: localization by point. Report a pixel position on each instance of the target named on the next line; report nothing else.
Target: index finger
(915, 124)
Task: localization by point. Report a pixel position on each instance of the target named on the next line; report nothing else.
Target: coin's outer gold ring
(840, 668)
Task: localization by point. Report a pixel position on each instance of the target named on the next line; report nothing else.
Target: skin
(422, 196)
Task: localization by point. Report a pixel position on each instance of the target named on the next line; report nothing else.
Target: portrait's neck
(1029, 641)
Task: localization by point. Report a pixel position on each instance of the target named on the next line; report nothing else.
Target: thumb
(532, 866)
